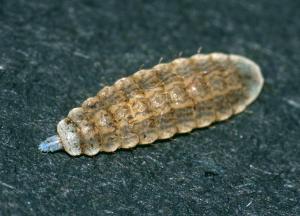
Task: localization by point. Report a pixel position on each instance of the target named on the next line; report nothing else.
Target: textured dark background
(54, 54)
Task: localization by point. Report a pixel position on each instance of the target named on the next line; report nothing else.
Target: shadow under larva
(157, 103)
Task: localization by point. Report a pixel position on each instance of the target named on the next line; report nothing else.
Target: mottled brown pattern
(157, 103)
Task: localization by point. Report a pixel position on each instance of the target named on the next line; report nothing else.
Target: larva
(157, 103)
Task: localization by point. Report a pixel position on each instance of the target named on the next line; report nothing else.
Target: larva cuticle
(157, 103)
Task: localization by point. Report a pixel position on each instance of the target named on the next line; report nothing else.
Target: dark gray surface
(54, 54)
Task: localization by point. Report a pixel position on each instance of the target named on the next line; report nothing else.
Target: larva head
(249, 72)
(251, 76)
(69, 137)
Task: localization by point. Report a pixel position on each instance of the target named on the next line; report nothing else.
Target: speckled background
(54, 54)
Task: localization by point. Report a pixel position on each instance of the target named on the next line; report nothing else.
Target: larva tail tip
(51, 144)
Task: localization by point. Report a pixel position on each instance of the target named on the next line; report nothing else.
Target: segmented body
(159, 102)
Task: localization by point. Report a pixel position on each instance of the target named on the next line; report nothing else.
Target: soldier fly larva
(157, 103)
